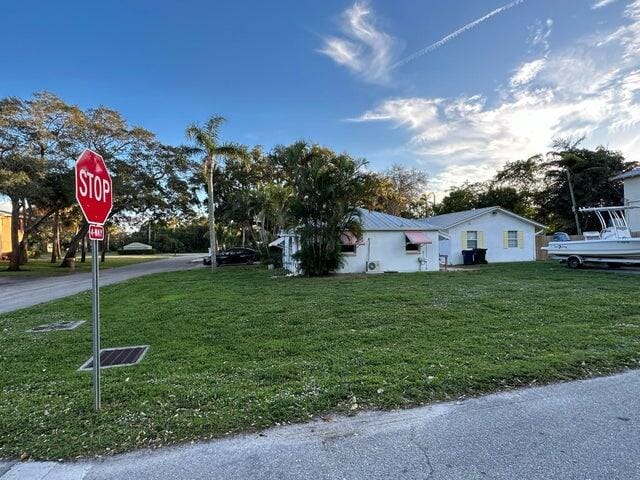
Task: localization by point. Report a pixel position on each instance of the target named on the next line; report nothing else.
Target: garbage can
(480, 256)
(468, 256)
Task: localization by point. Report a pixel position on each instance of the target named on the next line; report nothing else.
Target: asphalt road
(579, 430)
(17, 293)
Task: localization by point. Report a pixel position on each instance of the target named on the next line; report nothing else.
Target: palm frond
(212, 126)
(201, 138)
(233, 150)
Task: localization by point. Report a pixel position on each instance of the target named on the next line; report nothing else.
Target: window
(412, 247)
(512, 239)
(472, 239)
(348, 249)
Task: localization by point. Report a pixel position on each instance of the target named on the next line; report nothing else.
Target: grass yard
(42, 267)
(238, 351)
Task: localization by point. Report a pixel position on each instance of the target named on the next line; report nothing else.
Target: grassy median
(238, 351)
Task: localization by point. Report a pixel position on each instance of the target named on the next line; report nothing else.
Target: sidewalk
(578, 430)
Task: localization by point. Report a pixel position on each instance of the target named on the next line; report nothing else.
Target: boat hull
(627, 248)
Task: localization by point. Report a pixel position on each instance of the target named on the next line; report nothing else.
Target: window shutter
(505, 239)
(480, 239)
(464, 239)
(520, 239)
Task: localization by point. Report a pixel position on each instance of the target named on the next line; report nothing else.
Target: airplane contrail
(453, 35)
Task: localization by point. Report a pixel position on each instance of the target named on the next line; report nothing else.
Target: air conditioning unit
(373, 266)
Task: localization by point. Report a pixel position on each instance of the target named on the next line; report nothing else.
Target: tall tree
(397, 190)
(207, 144)
(143, 171)
(526, 177)
(460, 198)
(46, 126)
(584, 174)
(327, 187)
(29, 131)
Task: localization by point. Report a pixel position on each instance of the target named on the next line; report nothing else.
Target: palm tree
(207, 144)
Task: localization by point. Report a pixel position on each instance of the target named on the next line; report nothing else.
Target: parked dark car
(234, 256)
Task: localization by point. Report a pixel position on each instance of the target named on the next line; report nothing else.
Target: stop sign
(94, 190)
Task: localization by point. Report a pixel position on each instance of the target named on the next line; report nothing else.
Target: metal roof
(450, 219)
(383, 221)
(630, 174)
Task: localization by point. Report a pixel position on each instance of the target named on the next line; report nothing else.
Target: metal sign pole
(95, 283)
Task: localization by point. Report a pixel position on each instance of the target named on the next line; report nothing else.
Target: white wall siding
(632, 197)
(493, 228)
(388, 247)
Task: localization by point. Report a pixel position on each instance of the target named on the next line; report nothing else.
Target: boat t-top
(613, 244)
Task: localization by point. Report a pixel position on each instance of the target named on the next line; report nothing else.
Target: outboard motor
(560, 237)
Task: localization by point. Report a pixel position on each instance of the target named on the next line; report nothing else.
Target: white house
(388, 244)
(631, 181)
(506, 236)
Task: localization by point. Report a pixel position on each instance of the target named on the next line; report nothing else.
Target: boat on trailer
(613, 244)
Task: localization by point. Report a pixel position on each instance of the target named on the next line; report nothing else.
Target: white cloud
(526, 72)
(629, 35)
(366, 50)
(591, 88)
(601, 3)
(541, 33)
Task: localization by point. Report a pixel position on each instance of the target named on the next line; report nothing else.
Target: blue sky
(328, 71)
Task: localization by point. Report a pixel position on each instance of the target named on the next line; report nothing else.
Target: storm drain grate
(54, 327)
(118, 357)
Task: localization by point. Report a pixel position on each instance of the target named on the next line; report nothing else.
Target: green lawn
(42, 267)
(239, 351)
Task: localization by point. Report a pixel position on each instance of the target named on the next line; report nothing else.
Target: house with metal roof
(388, 244)
(631, 182)
(506, 236)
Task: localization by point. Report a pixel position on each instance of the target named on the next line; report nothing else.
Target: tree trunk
(574, 207)
(14, 264)
(24, 243)
(69, 260)
(24, 249)
(58, 245)
(212, 216)
(55, 247)
(83, 249)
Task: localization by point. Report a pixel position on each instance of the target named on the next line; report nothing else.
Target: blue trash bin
(468, 256)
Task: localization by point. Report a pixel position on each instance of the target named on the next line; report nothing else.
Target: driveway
(578, 430)
(17, 293)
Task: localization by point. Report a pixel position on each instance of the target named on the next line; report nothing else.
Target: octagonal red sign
(94, 190)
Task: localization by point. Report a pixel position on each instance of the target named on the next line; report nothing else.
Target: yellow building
(5, 233)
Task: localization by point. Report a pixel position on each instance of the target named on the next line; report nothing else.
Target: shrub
(327, 188)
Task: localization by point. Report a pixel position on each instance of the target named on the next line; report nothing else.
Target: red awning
(419, 238)
(349, 238)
